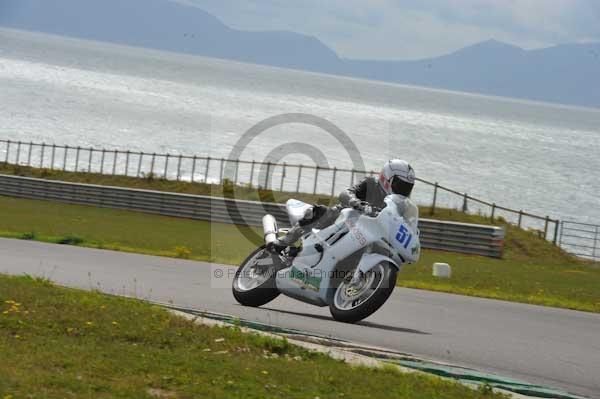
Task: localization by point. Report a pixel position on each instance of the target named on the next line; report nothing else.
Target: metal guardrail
(449, 236)
(277, 176)
(580, 239)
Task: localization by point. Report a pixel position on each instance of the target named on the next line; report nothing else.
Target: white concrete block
(442, 270)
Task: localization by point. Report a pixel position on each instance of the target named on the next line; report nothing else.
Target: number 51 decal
(404, 236)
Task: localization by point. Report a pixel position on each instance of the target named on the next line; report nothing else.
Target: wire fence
(581, 239)
(287, 177)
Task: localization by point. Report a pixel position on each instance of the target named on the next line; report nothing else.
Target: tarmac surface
(557, 348)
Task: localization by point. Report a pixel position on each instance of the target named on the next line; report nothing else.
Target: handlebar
(362, 207)
(367, 209)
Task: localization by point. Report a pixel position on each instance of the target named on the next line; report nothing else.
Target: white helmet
(397, 177)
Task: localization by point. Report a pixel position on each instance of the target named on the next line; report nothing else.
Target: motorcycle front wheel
(254, 281)
(353, 302)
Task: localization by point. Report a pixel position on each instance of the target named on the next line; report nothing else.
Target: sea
(541, 158)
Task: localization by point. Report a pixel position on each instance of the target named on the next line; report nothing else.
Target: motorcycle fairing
(310, 278)
(296, 210)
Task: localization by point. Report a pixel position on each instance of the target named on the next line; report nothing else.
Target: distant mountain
(568, 74)
(167, 25)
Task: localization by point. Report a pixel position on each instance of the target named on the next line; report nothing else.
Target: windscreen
(407, 209)
(411, 213)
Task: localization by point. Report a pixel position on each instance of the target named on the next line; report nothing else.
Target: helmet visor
(401, 187)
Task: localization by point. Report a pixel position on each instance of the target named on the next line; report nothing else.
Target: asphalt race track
(553, 347)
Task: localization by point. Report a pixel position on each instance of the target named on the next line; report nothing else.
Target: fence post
(90, 156)
(237, 170)
(18, 151)
(139, 168)
(435, 191)
(102, 161)
(127, 162)
(493, 211)
(166, 166)
(267, 176)
(546, 227)
(42, 155)
(179, 167)
(316, 180)
(52, 157)
(206, 171)
(252, 173)
(333, 182)
(114, 168)
(283, 173)
(152, 164)
(562, 226)
(7, 151)
(65, 158)
(29, 153)
(77, 158)
(465, 207)
(299, 178)
(556, 223)
(520, 218)
(193, 167)
(221, 170)
(352, 177)
(595, 243)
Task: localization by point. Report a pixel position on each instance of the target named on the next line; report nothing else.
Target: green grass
(532, 271)
(122, 230)
(153, 182)
(569, 285)
(243, 192)
(60, 343)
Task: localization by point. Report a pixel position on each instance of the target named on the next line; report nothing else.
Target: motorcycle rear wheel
(352, 304)
(255, 287)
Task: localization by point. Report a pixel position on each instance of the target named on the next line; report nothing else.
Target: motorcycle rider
(396, 177)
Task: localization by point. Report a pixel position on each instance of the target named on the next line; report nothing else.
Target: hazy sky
(400, 29)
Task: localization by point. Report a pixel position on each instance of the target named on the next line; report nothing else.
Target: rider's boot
(289, 239)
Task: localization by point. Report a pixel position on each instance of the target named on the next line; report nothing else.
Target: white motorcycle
(350, 266)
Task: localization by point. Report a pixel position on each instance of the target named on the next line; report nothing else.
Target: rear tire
(387, 274)
(261, 294)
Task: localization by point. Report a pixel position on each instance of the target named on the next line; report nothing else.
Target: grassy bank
(153, 182)
(532, 270)
(59, 343)
(244, 192)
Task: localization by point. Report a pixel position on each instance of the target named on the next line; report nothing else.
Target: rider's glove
(355, 203)
(367, 209)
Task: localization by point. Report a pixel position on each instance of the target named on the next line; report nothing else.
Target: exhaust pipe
(269, 229)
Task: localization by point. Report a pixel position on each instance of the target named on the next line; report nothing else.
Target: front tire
(352, 304)
(253, 286)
